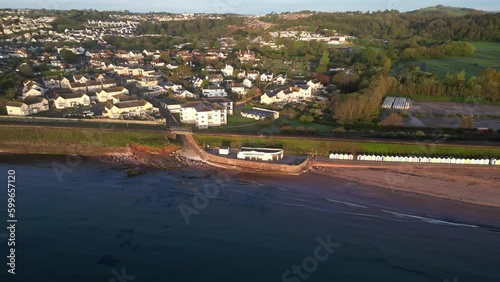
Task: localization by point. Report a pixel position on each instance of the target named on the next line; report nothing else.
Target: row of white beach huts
(415, 159)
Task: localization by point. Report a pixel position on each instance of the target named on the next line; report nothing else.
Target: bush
(339, 129)
(393, 119)
(300, 129)
(420, 133)
(286, 129)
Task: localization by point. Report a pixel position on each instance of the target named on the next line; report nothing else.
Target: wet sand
(480, 186)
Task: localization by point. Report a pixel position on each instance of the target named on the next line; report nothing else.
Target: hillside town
(201, 86)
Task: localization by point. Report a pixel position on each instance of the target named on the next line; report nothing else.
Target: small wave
(347, 203)
(430, 220)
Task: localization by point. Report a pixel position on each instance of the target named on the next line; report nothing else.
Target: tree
(393, 120)
(68, 56)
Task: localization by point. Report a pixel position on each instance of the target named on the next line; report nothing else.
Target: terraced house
(28, 106)
(128, 108)
(71, 100)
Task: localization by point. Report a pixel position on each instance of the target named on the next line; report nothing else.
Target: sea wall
(188, 142)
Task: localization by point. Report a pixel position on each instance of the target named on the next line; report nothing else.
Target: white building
(214, 91)
(228, 70)
(128, 108)
(108, 94)
(203, 114)
(260, 154)
(28, 106)
(62, 101)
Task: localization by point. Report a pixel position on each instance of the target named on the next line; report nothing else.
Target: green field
(323, 148)
(84, 136)
(486, 56)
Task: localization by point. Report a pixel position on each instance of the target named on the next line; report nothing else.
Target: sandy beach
(474, 185)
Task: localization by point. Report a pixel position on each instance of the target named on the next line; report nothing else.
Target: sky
(254, 7)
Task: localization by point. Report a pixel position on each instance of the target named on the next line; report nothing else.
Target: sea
(90, 221)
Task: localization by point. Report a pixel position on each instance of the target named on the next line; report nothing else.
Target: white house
(80, 78)
(108, 94)
(253, 75)
(280, 79)
(247, 83)
(51, 82)
(196, 82)
(214, 91)
(269, 97)
(228, 70)
(314, 84)
(266, 76)
(238, 88)
(62, 101)
(127, 108)
(203, 114)
(183, 93)
(28, 106)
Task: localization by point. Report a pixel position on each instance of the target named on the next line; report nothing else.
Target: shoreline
(465, 184)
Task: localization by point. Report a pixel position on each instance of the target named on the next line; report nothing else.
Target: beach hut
(360, 157)
(448, 160)
(331, 156)
(345, 156)
(341, 156)
(474, 162)
(378, 158)
(467, 161)
(494, 162)
(462, 161)
(406, 159)
(351, 157)
(486, 161)
(434, 160)
(439, 160)
(454, 161)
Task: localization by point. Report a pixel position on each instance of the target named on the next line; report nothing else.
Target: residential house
(253, 75)
(65, 83)
(215, 78)
(183, 93)
(63, 101)
(214, 91)
(28, 106)
(172, 66)
(228, 71)
(246, 56)
(147, 82)
(196, 82)
(314, 84)
(266, 76)
(100, 77)
(269, 97)
(247, 83)
(80, 78)
(238, 88)
(127, 108)
(51, 82)
(280, 79)
(108, 94)
(241, 74)
(287, 95)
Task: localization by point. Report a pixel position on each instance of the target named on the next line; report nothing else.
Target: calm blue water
(98, 220)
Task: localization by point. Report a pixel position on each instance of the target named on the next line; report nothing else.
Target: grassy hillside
(486, 56)
(448, 11)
